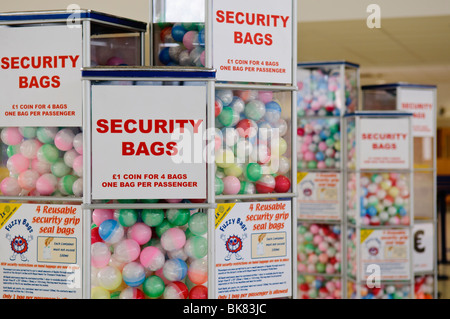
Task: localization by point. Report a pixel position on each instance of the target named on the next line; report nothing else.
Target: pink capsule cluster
(384, 198)
(320, 92)
(384, 291)
(157, 257)
(319, 287)
(251, 144)
(43, 161)
(318, 144)
(181, 44)
(319, 249)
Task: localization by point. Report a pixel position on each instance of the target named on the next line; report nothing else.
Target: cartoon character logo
(233, 244)
(19, 246)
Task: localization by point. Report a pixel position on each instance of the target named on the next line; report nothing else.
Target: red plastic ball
(246, 128)
(300, 131)
(198, 292)
(140, 294)
(183, 288)
(164, 33)
(265, 186)
(95, 237)
(218, 106)
(282, 184)
(197, 200)
(304, 287)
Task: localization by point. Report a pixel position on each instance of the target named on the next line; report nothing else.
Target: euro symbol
(418, 245)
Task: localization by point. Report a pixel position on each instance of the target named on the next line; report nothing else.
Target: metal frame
(434, 220)
(357, 225)
(85, 18)
(152, 74)
(342, 220)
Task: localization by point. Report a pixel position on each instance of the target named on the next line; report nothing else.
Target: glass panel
(318, 287)
(423, 152)
(179, 32)
(384, 198)
(252, 141)
(424, 199)
(116, 49)
(319, 249)
(318, 144)
(385, 291)
(41, 161)
(324, 91)
(149, 254)
(379, 99)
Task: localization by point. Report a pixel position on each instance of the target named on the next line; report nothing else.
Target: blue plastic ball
(178, 32)
(402, 211)
(164, 56)
(273, 112)
(372, 211)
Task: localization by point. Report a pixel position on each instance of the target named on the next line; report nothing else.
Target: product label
(423, 247)
(385, 254)
(40, 251)
(384, 143)
(40, 76)
(148, 142)
(255, 40)
(318, 195)
(253, 250)
(419, 102)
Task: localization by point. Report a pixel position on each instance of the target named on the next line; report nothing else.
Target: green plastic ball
(198, 223)
(152, 217)
(178, 217)
(253, 172)
(153, 286)
(128, 217)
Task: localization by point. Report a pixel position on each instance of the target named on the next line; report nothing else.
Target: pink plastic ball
(99, 215)
(29, 148)
(64, 139)
(140, 232)
(321, 165)
(231, 184)
(17, 164)
(198, 271)
(265, 96)
(152, 258)
(314, 229)
(301, 267)
(317, 239)
(115, 61)
(40, 166)
(330, 269)
(27, 179)
(46, 184)
(78, 165)
(100, 254)
(127, 250)
(11, 136)
(404, 220)
(202, 58)
(9, 186)
(309, 156)
(173, 239)
(174, 200)
(190, 39)
(78, 143)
